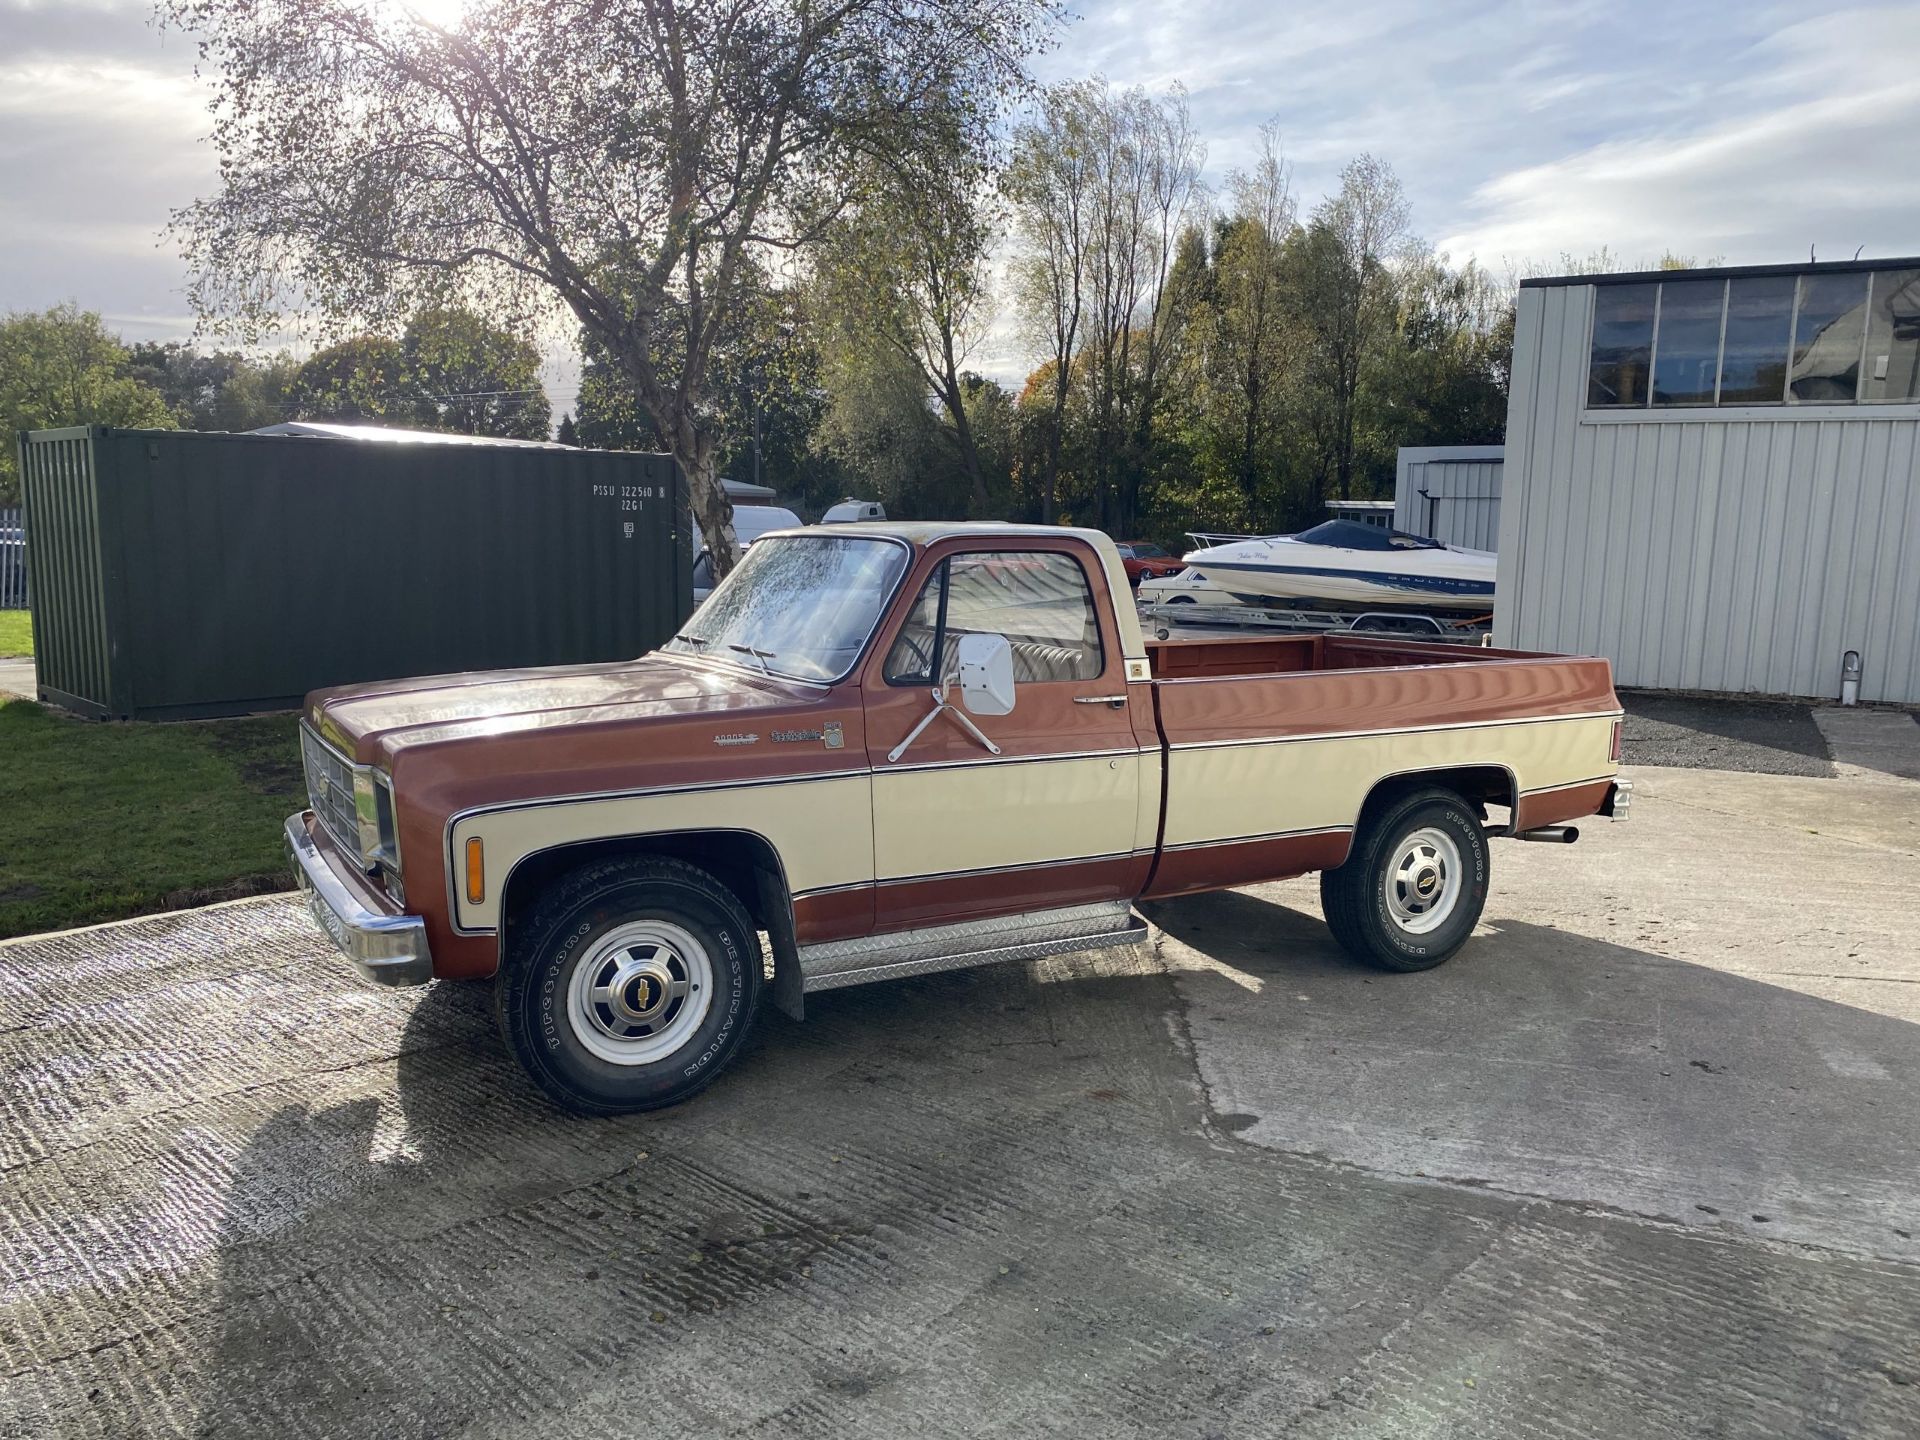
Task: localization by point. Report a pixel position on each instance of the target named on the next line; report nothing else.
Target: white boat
(1342, 564)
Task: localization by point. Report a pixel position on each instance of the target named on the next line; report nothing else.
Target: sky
(1743, 133)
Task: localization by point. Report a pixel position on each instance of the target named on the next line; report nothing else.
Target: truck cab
(880, 750)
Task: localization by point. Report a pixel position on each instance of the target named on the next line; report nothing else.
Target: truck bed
(1282, 738)
(1290, 654)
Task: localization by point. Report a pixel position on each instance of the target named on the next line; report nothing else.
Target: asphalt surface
(1762, 737)
(1641, 1161)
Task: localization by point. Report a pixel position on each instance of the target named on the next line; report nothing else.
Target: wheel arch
(1484, 784)
(744, 861)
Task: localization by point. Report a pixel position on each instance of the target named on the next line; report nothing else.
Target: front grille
(330, 789)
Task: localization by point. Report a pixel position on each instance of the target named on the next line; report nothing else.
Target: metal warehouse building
(1713, 477)
(1450, 493)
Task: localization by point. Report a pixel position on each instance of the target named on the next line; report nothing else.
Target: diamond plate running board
(955, 947)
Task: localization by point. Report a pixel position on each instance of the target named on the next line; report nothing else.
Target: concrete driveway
(1643, 1161)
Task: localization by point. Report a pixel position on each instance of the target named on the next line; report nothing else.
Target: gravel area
(1761, 737)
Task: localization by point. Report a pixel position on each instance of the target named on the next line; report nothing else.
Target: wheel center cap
(1426, 882)
(639, 991)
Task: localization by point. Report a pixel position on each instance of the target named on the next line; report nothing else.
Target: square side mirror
(985, 664)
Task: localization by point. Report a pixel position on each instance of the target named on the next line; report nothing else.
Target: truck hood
(372, 722)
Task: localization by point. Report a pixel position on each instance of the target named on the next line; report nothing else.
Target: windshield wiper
(760, 657)
(692, 639)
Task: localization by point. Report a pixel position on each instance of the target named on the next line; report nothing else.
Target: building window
(1820, 339)
(1753, 361)
(1893, 338)
(1622, 344)
(1687, 356)
(1826, 338)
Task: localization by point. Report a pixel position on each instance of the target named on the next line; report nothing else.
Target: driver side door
(960, 833)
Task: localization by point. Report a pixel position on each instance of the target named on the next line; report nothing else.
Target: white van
(750, 522)
(850, 510)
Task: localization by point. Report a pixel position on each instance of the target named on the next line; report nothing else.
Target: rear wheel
(631, 985)
(1414, 884)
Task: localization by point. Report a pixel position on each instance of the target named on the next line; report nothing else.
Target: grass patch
(16, 632)
(101, 821)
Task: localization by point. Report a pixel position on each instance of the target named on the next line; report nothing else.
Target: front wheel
(631, 986)
(1414, 884)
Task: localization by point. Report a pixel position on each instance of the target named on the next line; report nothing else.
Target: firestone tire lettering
(531, 991)
(1353, 897)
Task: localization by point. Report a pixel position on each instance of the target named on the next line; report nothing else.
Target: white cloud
(1521, 128)
(1808, 144)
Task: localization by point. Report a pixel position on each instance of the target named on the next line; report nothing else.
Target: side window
(1040, 601)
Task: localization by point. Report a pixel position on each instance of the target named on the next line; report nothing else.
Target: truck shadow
(1779, 1096)
(451, 1253)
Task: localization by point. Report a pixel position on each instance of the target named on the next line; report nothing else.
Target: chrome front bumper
(386, 949)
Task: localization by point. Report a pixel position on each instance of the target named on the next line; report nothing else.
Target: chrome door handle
(1100, 699)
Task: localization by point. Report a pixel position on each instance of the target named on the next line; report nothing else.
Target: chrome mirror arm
(940, 704)
(966, 723)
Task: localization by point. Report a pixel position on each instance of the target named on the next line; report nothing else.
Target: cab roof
(926, 532)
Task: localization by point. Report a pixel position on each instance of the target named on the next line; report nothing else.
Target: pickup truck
(882, 750)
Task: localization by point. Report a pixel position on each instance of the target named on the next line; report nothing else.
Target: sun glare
(441, 14)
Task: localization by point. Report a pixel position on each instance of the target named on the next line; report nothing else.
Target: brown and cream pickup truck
(883, 750)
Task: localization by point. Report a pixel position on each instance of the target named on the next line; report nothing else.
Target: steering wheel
(920, 653)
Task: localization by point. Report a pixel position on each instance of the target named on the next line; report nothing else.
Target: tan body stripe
(960, 819)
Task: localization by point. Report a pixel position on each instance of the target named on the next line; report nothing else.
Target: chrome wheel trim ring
(1424, 881)
(640, 993)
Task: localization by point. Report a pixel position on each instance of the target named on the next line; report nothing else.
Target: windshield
(801, 606)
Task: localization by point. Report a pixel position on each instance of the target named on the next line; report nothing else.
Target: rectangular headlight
(373, 811)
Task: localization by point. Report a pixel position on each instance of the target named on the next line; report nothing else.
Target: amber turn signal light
(476, 872)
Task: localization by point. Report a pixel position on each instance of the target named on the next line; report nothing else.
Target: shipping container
(179, 575)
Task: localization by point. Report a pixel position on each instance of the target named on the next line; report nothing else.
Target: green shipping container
(179, 575)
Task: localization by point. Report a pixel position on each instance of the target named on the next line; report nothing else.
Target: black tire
(1366, 899)
(574, 923)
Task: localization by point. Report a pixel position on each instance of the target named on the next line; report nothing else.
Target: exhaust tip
(1551, 835)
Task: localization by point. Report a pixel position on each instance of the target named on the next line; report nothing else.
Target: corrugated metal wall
(179, 574)
(64, 557)
(1450, 493)
(1742, 550)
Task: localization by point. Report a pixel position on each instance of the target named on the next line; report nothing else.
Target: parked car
(1143, 558)
(1186, 586)
(750, 522)
(894, 749)
(850, 511)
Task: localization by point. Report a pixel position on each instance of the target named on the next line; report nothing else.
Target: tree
(364, 378)
(905, 270)
(1253, 336)
(62, 367)
(625, 160)
(1050, 184)
(1344, 286)
(567, 434)
(764, 390)
(1104, 183)
(472, 378)
(450, 370)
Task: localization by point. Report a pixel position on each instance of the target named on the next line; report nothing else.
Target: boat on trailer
(1344, 565)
